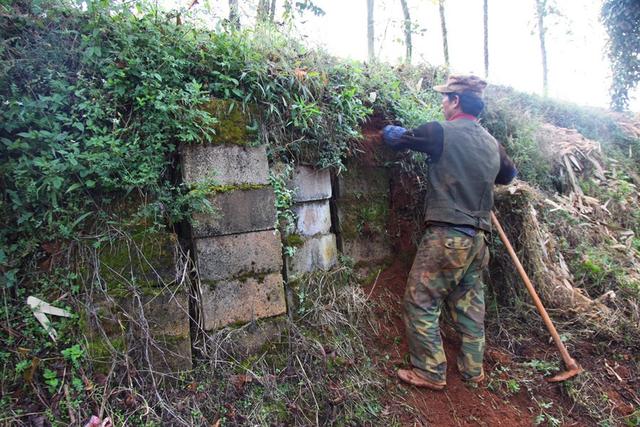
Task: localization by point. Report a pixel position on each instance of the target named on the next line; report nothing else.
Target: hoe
(573, 368)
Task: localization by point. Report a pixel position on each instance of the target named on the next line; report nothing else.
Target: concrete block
(366, 216)
(359, 180)
(171, 353)
(242, 300)
(234, 124)
(237, 211)
(316, 253)
(310, 183)
(225, 164)
(313, 218)
(248, 339)
(235, 255)
(150, 257)
(368, 249)
(167, 313)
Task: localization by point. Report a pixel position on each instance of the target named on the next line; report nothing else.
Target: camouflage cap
(460, 83)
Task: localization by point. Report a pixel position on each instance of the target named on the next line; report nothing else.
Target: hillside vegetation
(94, 105)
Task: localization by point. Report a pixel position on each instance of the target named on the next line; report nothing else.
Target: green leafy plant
(74, 354)
(51, 380)
(542, 366)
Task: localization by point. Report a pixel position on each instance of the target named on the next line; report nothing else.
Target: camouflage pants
(447, 268)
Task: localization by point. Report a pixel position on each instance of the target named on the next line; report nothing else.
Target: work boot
(475, 380)
(412, 377)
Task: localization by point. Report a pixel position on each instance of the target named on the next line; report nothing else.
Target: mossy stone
(364, 216)
(294, 240)
(234, 126)
(145, 260)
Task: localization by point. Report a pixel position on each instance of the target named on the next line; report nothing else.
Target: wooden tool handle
(568, 360)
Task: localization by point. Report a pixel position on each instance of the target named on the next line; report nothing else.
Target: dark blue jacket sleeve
(508, 170)
(427, 138)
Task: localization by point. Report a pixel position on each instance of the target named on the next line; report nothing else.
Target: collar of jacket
(463, 116)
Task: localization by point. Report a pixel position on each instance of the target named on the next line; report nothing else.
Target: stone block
(149, 257)
(234, 124)
(236, 255)
(313, 218)
(242, 300)
(237, 211)
(171, 353)
(368, 215)
(309, 183)
(167, 313)
(248, 339)
(359, 180)
(225, 164)
(368, 249)
(316, 253)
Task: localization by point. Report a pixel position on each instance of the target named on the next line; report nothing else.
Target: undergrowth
(95, 102)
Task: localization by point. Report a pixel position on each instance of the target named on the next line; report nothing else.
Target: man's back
(461, 180)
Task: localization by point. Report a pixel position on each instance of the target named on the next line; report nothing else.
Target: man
(464, 163)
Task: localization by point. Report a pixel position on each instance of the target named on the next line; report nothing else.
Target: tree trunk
(407, 31)
(370, 33)
(486, 38)
(262, 13)
(272, 11)
(234, 14)
(541, 10)
(443, 25)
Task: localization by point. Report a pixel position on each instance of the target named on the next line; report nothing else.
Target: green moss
(100, 352)
(172, 340)
(234, 126)
(144, 287)
(241, 187)
(257, 276)
(294, 240)
(373, 273)
(367, 215)
(145, 257)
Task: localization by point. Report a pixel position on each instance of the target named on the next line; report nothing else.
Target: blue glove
(392, 134)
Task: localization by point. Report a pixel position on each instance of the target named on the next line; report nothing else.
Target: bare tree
(541, 12)
(370, 33)
(443, 25)
(234, 14)
(272, 11)
(407, 31)
(486, 37)
(262, 11)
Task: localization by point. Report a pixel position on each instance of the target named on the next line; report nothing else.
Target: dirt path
(459, 404)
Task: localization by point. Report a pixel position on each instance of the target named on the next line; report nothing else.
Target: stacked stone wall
(363, 205)
(238, 251)
(314, 242)
(141, 304)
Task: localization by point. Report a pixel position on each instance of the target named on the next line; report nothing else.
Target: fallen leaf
(240, 380)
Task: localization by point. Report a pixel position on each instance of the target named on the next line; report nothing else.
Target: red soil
(460, 404)
(464, 405)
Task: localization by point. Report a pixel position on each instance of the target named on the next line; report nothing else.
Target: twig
(375, 282)
(611, 371)
(72, 418)
(106, 388)
(310, 389)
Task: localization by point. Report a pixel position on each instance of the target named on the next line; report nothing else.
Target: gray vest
(461, 181)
